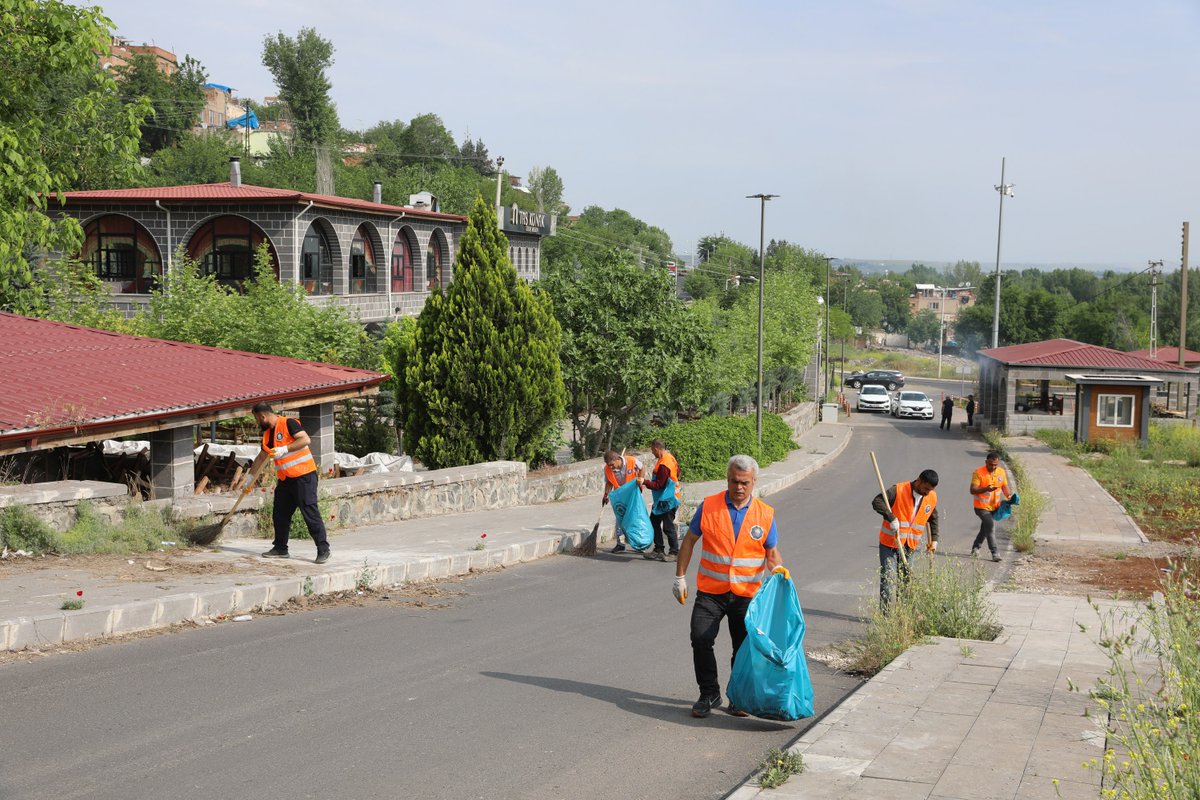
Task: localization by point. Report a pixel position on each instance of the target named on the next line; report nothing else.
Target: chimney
(377, 193)
(235, 171)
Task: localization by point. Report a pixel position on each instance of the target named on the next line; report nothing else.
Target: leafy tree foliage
(923, 327)
(896, 313)
(61, 128)
(176, 99)
(865, 308)
(425, 138)
(547, 189)
(483, 380)
(299, 66)
(194, 158)
(629, 347)
(474, 154)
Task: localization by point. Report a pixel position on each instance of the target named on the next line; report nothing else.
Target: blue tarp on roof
(248, 120)
(222, 87)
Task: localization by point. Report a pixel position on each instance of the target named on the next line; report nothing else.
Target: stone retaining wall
(362, 500)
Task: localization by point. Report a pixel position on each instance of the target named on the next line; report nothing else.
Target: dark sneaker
(975, 553)
(672, 556)
(995, 558)
(655, 555)
(620, 548)
(276, 552)
(322, 557)
(735, 711)
(704, 706)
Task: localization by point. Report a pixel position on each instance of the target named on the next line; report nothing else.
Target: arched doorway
(225, 248)
(434, 259)
(121, 252)
(403, 266)
(363, 270)
(316, 261)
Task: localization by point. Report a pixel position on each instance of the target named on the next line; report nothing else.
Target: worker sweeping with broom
(286, 442)
(909, 510)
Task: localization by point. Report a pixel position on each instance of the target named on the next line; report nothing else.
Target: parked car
(874, 397)
(912, 404)
(890, 378)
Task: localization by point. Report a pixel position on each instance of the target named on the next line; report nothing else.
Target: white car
(873, 397)
(912, 404)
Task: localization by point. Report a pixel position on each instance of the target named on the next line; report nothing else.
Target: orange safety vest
(728, 564)
(989, 501)
(912, 519)
(630, 471)
(673, 471)
(293, 464)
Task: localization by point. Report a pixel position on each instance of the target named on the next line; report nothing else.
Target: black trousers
(298, 493)
(664, 524)
(706, 624)
(945, 423)
(987, 528)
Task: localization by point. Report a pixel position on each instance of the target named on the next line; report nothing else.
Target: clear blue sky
(881, 123)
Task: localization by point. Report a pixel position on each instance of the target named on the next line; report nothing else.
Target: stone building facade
(378, 260)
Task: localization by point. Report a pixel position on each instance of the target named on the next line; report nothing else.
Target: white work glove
(894, 525)
(279, 452)
(932, 546)
(679, 589)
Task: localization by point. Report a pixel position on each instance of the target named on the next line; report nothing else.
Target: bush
(21, 529)
(704, 447)
(940, 599)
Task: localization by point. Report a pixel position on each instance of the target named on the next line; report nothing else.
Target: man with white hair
(737, 552)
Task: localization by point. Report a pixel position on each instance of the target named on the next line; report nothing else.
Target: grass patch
(1154, 728)
(74, 604)
(1158, 482)
(704, 447)
(941, 598)
(777, 766)
(140, 531)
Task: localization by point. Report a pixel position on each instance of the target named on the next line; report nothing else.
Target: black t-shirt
(293, 426)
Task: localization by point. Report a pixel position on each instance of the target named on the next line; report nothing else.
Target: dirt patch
(1071, 569)
(146, 567)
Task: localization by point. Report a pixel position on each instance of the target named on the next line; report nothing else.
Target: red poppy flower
(79, 593)
(483, 536)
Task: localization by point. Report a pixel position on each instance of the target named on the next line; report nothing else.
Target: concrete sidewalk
(232, 578)
(967, 720)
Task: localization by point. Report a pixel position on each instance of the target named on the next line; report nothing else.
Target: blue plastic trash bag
(770, 674)
(631, 513)
(1006, 507)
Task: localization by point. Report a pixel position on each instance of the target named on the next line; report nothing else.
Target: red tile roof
(1170, 355)
(61, 378)
(1069, 353)
(225, 192)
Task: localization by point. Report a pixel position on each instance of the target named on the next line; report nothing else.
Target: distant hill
(875, 266)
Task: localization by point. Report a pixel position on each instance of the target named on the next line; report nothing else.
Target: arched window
(362, 263)
(402, 264)
(433, 265)
(225, 248)
(123, 252)
(316, 262)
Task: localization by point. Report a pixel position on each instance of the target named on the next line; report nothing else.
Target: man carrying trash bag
(737, 551)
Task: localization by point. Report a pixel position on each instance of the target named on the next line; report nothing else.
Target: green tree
(425, 138)
(629, 348)
(866, 309)
(963, 273)
(194, 158)
(474, 154)
(923, 327)
(176, 99)
(484, 380)
(896, 312)
(547, 188)
(299, 66)
(61, 128)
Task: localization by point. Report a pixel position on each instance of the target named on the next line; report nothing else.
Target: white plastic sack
(373, 463)
(111, 447)
(244, 453)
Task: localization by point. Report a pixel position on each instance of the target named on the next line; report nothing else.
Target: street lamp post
(762, 222)
(1005, 189)
(941, 331)
(827, 380)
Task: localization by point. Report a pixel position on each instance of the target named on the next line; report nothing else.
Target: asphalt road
(565, 678)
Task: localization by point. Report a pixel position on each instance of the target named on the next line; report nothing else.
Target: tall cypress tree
(483, 380)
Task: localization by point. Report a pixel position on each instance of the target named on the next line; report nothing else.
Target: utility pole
(762, 217)
(1155, 271)
(499, 177)
(941, 330)
(1183, 303)
(1005, 189)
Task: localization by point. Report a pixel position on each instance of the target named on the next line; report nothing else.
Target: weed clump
(777, 766)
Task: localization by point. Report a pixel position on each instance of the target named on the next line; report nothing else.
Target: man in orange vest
(617, 470)
(909, 511)
(296, 470)
(666, 494)
(988, 484)
(738, 551)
